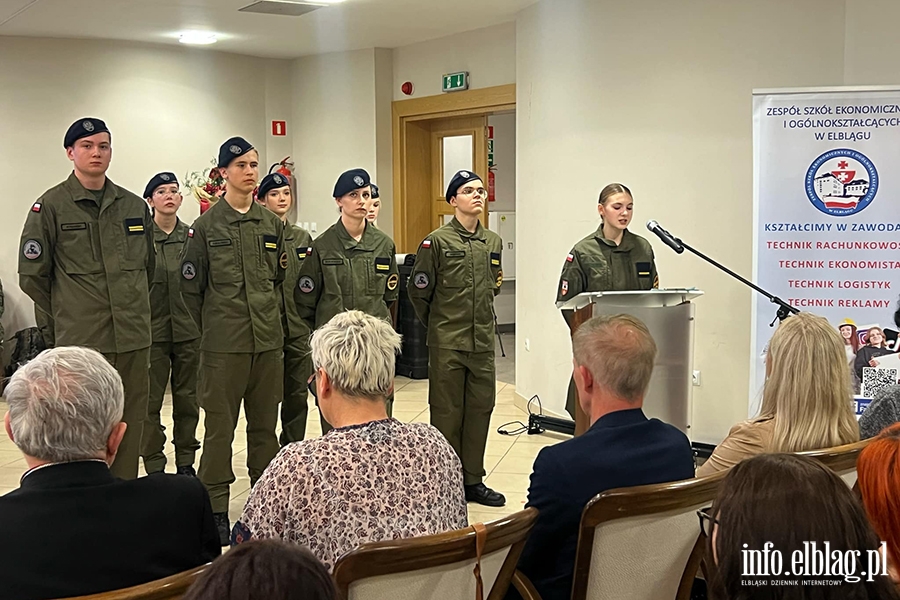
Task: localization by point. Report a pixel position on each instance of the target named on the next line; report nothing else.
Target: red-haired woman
(878, 470)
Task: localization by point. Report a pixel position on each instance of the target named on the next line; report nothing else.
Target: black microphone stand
(784, 309)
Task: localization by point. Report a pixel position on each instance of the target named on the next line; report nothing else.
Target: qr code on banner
(875, 380)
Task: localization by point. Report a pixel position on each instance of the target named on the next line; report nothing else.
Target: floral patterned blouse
(382, 480)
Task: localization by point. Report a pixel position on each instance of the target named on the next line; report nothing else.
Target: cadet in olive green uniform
(176, 338)
(275, 194)
(611, 259)
(86, 258)
(232, 282)
(352, 266)
(454, 280)
(44, 322)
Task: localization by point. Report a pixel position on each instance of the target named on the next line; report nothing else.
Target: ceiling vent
(284, 8)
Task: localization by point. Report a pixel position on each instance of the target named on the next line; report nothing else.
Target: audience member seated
(867, 356)
(264, 570)
(883, 412)
(878, 471)
(787, 501)
(612, 367)
(807, 398)
(72, 528)
(371, 478)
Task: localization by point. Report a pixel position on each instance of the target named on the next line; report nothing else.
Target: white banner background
(826, 174)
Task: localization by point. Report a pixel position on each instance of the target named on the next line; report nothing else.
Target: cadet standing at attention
(232, 274)
(86, 258)
(351, 266)
(612, 259)
(456, 275)
(275, 194)
(176, 338)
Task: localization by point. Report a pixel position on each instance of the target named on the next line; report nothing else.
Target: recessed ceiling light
(197, 38)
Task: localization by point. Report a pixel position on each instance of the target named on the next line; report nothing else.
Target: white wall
(168, 109)
(336, 123)
(658, 96)
(488, 54)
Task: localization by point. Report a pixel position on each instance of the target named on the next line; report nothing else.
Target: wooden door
(457, 144)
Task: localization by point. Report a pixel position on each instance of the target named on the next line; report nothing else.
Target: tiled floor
(508, 459)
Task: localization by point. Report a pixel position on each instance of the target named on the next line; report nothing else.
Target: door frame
(484, 101)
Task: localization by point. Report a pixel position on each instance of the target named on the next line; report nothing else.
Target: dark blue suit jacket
(621, 449)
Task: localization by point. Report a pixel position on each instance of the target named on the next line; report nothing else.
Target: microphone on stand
(668, 239)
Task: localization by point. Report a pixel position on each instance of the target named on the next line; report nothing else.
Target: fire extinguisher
(492, 190)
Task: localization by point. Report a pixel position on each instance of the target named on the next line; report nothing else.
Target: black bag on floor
(29, 343)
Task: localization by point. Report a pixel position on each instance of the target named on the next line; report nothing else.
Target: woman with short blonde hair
(369, 479)
(807, 397)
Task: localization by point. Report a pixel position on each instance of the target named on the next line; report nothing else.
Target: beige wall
(488, 54)
(871, 44)
(341, 111)
(658, 96)
(168, 109)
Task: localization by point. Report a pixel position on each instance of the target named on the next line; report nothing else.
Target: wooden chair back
(642, 543)
(169, 588)
(435, 566)
(840, 459)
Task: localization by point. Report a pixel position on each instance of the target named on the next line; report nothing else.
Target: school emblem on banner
(841, 182)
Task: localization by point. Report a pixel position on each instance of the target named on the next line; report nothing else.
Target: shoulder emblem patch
(420, 280)
(32, 249)
(392, 282)
(188, 270)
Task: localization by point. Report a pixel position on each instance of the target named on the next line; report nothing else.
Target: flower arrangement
(207, 185)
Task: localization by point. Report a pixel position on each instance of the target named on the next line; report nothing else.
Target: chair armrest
(524, 586)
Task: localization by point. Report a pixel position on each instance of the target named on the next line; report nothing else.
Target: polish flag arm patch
(426, 244)
(36, 207)
(570, 258)
(191, 232)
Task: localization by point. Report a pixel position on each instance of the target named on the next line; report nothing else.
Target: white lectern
(669, 315)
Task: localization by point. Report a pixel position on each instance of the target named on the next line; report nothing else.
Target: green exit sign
(454, 82)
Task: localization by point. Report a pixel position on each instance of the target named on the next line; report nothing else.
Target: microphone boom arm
(784, 309)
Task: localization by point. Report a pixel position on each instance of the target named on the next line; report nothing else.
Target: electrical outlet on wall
(527, 345)
(695, 378)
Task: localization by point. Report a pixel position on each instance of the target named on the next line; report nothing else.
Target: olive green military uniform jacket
(452, 287)
(343, 274)
(88, 264)
(298, 244)
(596, 264)
(170, 319)
(231, 276)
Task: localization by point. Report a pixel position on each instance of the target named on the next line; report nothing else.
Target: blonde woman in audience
(785, 503)
(806, 398)
(371, 478)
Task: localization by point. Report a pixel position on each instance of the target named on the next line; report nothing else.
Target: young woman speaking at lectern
(612, 259)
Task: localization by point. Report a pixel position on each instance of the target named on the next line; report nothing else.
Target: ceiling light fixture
(197, 38)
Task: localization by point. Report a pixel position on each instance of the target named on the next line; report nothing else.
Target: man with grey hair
(65, 415)
(371, 478)
(613, 362)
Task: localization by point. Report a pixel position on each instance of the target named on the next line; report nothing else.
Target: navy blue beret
(351, 180)
(375, 193)
(460, 179)
(83, 128)
(272, 181)
(231, 149)
(159, 179)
